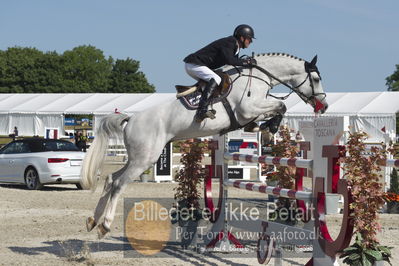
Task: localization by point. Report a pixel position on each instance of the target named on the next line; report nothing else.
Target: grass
(4, 140)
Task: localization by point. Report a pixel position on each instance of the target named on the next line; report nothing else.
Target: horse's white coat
(147, 132)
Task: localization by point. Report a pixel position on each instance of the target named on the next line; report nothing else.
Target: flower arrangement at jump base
(187, 192)
(192, 174)
(284, 149)
(363, 175)
(285, 176)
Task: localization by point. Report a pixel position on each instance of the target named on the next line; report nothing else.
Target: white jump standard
(325, 248)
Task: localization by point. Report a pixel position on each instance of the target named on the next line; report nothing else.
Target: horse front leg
(270, 112)
(277, 112)
(270, 108)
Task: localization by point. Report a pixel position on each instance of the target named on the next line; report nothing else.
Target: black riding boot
(202, 111)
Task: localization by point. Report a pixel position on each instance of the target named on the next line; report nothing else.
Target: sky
(356, 41)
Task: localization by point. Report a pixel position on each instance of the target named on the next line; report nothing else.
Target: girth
(234, 124)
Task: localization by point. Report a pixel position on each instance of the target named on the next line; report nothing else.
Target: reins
(234, 124)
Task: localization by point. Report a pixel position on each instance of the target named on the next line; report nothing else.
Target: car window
(35, 146)
(57, 145)
(50, 146)
(16, 147)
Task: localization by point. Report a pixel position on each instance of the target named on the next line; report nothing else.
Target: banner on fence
(163, 169)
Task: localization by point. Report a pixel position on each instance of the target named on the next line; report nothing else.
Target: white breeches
(201, 72)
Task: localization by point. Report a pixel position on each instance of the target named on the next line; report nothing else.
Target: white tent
(31, 113)
(372, 112)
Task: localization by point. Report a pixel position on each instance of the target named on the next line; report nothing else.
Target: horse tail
(111, 126)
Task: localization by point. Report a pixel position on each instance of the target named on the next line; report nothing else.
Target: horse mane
(281, 54)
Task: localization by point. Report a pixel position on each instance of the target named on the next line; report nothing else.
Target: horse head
(298, 75)
(309, 88)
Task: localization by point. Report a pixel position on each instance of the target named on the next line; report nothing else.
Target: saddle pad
(191, 101)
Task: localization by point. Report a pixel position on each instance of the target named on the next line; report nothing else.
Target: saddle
(190, 96)
(222, 89)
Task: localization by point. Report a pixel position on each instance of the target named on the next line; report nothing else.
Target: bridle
(295, 89)
(309, 68)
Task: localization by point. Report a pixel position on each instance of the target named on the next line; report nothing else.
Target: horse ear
(314, 61)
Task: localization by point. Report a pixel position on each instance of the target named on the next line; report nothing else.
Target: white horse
(146, 133)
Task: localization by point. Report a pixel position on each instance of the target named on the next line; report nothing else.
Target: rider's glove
(250, 62)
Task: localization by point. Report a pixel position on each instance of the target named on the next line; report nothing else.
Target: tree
(84, 69)
(393, 80)
(126, 77)
(18, 68)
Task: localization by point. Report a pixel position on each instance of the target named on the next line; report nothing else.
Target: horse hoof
(102, 230)
(252, 127)
(90, 224)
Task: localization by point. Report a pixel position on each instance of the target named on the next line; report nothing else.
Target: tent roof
(350, 103)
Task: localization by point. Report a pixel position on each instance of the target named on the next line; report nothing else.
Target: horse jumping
(146, 133)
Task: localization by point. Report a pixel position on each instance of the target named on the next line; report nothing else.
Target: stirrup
(211, 114)
(199, 117)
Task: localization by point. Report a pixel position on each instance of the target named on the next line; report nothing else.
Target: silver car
(36, 162)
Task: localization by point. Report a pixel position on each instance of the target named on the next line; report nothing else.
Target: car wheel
(32, 179)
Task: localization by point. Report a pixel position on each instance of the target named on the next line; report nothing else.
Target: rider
(200, 65)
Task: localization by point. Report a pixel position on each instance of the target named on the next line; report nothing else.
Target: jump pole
(324, 250)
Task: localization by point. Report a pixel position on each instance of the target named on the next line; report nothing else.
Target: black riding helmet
(245, 31)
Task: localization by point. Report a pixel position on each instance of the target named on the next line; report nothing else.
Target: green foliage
(125, 76)
(84, 69)
(393, 80)
(20, 68)
(360, 254)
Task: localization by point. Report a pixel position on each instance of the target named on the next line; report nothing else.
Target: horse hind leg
(117, 189)
(142, 154)
(91, 222)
